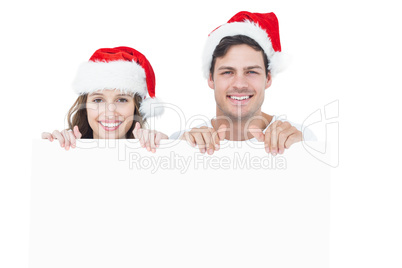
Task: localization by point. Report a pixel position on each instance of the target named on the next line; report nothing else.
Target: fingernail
(217, 147)
(203, 151)
(210, 151)
(267, 149)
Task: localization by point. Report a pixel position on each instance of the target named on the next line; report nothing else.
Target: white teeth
(110, 124)
(239, 98)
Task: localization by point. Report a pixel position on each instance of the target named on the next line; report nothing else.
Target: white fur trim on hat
(151, 107)
(246, 28)
(126, 76)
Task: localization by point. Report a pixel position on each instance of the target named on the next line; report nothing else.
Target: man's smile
(239, 99)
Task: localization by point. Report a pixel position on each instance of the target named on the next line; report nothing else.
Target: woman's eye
(97, 100)
(122, 100)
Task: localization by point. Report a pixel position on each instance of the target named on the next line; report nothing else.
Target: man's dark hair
(229, 41)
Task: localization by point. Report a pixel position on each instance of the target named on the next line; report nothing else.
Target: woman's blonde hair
(77, 116)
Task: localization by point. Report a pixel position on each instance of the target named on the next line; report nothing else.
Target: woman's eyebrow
(127, 95)
(96, 94)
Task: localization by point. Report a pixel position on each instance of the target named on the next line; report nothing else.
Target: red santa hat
(262, 27)
(120, 68)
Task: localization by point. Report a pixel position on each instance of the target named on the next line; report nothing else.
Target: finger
(284, 130)
(77, 132)
(274, 137)
(219, 136)
(140, 137)
(296, 136)
(189, 138)
(267, 139)
(216, 140)
(257, 133)
(136, 130)
(72, 138)
(222, 132)
(151, 141)
(47, 135)
(66, 136)
(160, 136)
(209, 143)
(199, 140)
(145, 136)
(57, 135)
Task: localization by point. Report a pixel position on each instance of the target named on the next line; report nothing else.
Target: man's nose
(240, 81)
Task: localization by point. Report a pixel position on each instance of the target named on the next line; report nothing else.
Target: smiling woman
(106, 114)
(116, 90)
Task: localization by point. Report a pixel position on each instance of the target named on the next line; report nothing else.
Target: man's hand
(207, 139)
(149, 139)
(66, 137)
(278, 136)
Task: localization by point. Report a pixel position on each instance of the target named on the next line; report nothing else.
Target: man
(240, 59)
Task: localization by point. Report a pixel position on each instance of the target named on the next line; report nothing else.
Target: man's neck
(237, 127)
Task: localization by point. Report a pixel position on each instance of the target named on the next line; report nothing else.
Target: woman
(116, 90)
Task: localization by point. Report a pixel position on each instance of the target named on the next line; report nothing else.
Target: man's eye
(227, 72)
(252, 72)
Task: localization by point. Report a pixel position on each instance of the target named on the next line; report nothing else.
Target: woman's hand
(66, 137)
(149, 139)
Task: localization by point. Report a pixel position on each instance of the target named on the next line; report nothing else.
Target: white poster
(112, 204)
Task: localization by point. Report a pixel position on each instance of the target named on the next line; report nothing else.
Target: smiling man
(240, 58)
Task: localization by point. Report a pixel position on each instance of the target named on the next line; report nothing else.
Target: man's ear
(211, 83)
(269, 80)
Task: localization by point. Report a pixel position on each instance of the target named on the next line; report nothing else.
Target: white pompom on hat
(120, 68)
(261, 27)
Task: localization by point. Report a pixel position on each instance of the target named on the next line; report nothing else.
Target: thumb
(135, 130)
(77, 132)
(222, 132)
(256, 132)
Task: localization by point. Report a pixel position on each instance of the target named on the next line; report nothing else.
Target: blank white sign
(113, 204)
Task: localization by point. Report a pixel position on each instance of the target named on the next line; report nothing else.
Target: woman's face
(110, 113)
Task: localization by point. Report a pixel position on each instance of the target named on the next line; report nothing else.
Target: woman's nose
(110, 109)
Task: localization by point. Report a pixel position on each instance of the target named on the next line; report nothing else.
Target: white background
(344, 50)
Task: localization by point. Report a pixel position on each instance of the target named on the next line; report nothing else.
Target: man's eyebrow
(226, 68)
(253, 67)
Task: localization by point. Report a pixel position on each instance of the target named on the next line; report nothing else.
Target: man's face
(239, 81)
